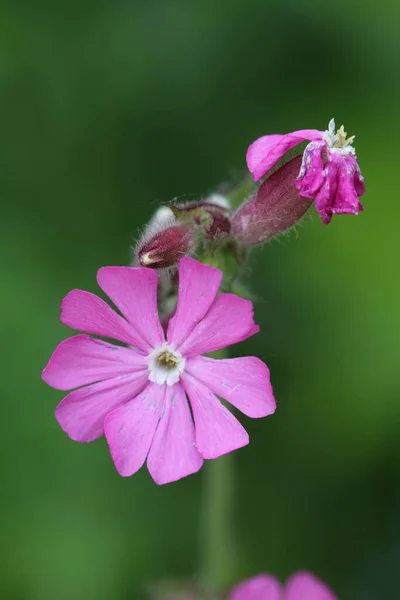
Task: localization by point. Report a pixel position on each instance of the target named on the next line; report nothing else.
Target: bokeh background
(108, 108)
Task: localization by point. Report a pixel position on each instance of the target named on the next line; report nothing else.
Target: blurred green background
(110, 107)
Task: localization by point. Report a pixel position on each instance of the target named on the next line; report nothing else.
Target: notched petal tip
(265, 587)
(105, 272)
(50, 372)
(305, 585)
(187, 263)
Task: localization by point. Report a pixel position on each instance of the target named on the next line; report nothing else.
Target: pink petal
(331, 177)
(80, 360)
(217, 430)
(262, 587)
(359, 184)
(87, 312)
(243, 382)
(130, 428)
(266, 151)
(81, 414)
(312, 171)
(304, 585)
(229, 320)
(134, 293)
(338, 194)
(198, 287)
(173, 453)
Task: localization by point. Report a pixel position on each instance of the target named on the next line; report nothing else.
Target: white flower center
(165, 365)
(337, 140)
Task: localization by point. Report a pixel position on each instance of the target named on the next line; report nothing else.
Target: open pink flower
(138, 396)
(300, 586)
(329, 173)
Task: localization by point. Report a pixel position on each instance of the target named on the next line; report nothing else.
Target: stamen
(338, 141)
(168, 360)
(342, 142)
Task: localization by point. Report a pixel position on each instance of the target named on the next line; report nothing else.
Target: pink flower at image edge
(329, 174)
(300, 586)
(138, 396)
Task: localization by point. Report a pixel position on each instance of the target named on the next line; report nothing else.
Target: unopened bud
(275, 207)
(165, 248)
(164, 242)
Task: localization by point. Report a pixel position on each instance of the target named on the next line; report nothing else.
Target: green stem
(217, 536)
(218, 550)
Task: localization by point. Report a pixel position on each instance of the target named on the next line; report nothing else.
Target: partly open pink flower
(329, 173)
(138, 395)
(301, 586)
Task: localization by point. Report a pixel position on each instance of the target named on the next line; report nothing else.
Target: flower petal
(81, 414)
(81, 359)
(305, 585)
(243, 382)
(262, 587)
(229, 320)
(339, 193)
(89, 313)
(130, 428)
(198, 287)
(134, 293)
(173, 453)
(312, 171)
(266, 151)
(217, 430)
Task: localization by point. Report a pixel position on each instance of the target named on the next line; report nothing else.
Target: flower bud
(164, 242)
(165, 248)
(275, 207)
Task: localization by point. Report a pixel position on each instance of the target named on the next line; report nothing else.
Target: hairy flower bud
(164, 242)
(166, 248)
(275, 207)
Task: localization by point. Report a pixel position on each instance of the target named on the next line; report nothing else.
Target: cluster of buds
(181, 229)
(327, 173)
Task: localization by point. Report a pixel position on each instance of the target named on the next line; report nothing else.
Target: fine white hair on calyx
(162, 219)
(219, 200)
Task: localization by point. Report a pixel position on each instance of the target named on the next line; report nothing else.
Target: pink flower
(301, 586)
(329, 173)
(138, 395)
